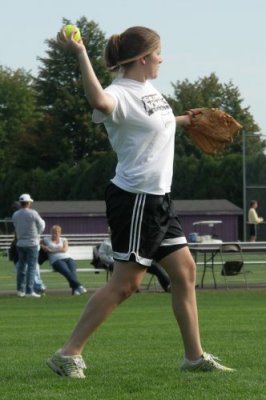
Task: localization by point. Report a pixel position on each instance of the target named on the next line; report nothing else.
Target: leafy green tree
(18, 114)
(209, 92)
(208, 178)
(92, 179)
(197, 175)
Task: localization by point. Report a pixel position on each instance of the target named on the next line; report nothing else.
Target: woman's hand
(69, 43)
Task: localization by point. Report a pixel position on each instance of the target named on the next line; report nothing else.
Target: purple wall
(226, 231)
(80, 225)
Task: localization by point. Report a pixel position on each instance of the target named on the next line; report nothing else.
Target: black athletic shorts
(252, 230)
(144, 227)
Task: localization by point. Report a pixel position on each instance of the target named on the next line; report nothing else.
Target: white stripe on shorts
(135, 228)
(125, 256)
(173, 241)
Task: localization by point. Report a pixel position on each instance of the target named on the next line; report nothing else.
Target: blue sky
(198, 37)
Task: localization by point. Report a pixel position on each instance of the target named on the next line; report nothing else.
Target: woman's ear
(143, 60)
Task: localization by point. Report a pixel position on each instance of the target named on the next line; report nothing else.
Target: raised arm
(94, 92)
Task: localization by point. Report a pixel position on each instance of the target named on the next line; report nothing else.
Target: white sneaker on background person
(20, 293)
(33, 294)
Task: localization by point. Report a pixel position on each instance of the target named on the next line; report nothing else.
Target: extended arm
(183, 120)
(95, 94)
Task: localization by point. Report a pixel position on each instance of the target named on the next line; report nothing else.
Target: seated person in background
(60, 259)
(105, 253)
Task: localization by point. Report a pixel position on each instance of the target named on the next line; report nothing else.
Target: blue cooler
(193, 237)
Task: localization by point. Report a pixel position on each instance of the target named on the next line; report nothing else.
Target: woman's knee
(191, 270)
(126, 279)
(184, 274)
(180, 265)
(124, 291)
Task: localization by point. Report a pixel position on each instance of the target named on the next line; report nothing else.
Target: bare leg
(181, 269)
(124, 281)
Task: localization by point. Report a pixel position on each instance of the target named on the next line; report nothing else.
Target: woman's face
(152, 64)
(56, 233)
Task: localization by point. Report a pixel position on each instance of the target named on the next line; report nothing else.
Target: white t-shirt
(141, 130)
(53, 257)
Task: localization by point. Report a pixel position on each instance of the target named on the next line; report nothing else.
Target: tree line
(50, 148)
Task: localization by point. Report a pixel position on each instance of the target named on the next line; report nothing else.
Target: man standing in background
(28, 227)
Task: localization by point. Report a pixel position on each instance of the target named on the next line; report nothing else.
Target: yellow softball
(68, 29)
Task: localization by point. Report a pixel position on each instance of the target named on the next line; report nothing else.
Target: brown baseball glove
(211, 129)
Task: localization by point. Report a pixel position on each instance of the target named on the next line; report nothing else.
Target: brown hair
(253, 203)
(129, 46)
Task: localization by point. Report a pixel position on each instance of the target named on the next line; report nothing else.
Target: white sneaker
(68, 366)
(33, 294)
(20, 293)
(80, 290)
(41, 292)
(206, 363)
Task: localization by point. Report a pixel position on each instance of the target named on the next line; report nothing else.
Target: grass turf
(136, 353)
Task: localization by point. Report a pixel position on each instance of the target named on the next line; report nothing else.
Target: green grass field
(256, 275)
(136, 353)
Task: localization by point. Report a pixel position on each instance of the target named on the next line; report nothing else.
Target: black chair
(235, 266)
